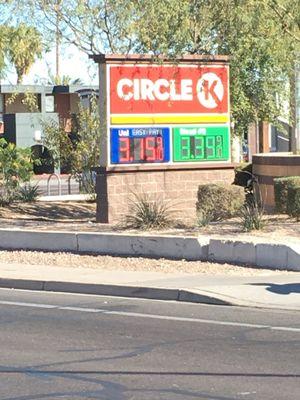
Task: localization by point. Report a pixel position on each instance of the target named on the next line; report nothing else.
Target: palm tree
(63, 80)
(3, 48)
(24, 45)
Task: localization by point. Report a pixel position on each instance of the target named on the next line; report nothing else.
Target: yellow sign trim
(168, 119)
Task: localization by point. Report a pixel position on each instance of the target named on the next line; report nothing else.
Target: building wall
(177, 187)
(62, 104)
(17, 106)
(27, 124)
(74, 101)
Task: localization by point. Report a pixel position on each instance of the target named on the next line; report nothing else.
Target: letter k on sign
(210, 90)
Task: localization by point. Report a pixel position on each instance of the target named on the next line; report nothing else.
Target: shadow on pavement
(286, 288)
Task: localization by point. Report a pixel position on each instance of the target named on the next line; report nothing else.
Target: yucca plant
(252, 212)
(204, 218)
(147, 213)
(28, 193)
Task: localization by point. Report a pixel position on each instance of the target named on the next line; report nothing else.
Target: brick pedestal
(178, 186)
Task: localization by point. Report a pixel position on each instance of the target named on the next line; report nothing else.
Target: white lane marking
(21, 304)
(151, 316)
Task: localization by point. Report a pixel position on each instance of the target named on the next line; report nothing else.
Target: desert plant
(281, 186)
(15, 167)
(204, 218)
(148, 213)
(219, 201)
(252, 212)
(251, 215)
(293, 201)
(28, 193)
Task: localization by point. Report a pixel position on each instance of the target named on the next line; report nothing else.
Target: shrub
(219, 201)
(146, 213)
(293, 201)
(203, 218)
(281, 186)
(251, 215)
(28, 193)
(15, 167)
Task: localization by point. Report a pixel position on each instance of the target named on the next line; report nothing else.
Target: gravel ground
(128, 263)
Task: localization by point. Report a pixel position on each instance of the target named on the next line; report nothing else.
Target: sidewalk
(279, 291)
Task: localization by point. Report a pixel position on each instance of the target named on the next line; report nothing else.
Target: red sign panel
(168, 89)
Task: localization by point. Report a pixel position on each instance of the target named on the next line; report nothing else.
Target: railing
(58, 182)
(69, 184)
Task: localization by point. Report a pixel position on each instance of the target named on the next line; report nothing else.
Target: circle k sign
(210, 90)
(168, 89)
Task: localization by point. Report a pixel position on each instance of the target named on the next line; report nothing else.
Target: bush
(28, 193)
(146, 213)
(16, 167)
(218, 201)
(293, 201)
(251, 215)
(281, 186)
(203, 218)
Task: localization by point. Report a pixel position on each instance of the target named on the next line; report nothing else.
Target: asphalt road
(62, 346)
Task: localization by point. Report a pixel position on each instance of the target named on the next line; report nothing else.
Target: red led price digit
(150, 149)
(159, 149)
(142, 149)
(124, 152)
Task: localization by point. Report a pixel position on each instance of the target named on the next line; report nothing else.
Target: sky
(73, 63)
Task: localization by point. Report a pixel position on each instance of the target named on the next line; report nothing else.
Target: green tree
(86, 152)
(15, 167)
(63, 80)
(58, 142)
(3, 47)
(261, 37)
(24, 45)
(93, 26)
(261, 47)
(79, 151)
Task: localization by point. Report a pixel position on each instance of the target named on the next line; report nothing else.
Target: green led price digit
(199, 147)
(210, 147)
(219, 146)
(185, 148)
(201, 143)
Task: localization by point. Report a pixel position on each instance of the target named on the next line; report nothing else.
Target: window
(49, 103)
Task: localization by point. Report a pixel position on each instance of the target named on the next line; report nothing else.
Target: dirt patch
(135, 264)
(80, 216)
(50, 211)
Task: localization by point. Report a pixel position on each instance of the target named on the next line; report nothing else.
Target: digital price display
(205, 143)
(140, 145)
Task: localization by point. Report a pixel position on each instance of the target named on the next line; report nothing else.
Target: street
(66, 346)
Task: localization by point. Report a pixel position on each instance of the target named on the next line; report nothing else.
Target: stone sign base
(115, 188)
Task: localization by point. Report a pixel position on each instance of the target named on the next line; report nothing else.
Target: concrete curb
(139, 292)
(65, 197)
(260, 254)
